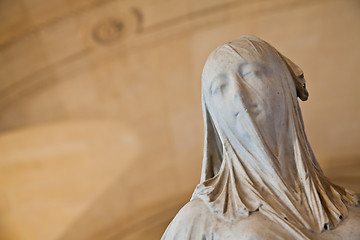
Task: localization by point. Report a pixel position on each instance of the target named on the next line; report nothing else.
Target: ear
(299, 80)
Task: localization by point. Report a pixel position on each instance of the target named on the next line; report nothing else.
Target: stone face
(260, 178)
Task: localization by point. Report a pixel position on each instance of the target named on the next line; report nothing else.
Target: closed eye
(218, 88)
(248, 74)
(252, 70)
(218, 85)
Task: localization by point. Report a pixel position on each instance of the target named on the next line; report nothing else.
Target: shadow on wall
(130, 209)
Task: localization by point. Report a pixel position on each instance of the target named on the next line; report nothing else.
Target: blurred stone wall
(100, 115)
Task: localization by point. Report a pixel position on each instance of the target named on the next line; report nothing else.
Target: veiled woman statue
(260, 178)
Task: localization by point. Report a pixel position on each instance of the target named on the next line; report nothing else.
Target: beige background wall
(100, 115)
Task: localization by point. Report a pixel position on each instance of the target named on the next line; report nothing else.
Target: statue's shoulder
(193, 221)
(347, 229)
(194, 210)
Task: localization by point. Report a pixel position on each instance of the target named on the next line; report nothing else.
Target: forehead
(241, 57)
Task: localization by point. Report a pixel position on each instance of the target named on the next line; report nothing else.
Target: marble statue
(260, 178)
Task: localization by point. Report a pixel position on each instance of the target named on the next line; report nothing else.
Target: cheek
(252, 99)
(228, 104)
(265, 102)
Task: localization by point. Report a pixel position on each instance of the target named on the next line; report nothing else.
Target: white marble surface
(260, 178)
(196, 221)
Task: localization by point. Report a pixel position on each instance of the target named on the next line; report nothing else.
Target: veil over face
(256, 154)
